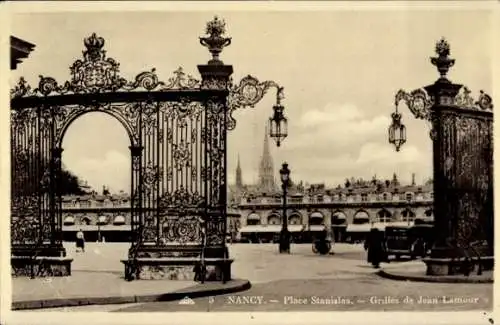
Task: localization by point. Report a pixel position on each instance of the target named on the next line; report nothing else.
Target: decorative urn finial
(443, 62)
(215, 42)
(94, 45)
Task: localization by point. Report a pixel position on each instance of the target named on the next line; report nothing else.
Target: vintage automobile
(412, 241)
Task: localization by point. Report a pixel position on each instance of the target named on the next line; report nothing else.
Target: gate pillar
(215, 84)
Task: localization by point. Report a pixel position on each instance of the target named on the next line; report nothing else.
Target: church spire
(239, 178)
(266, 170)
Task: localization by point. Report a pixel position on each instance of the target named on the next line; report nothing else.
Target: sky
(340, 71)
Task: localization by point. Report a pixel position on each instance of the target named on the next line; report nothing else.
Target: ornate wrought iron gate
(177, 130)
(462, 134)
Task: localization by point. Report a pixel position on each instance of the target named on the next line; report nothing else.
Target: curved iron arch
(63, 128)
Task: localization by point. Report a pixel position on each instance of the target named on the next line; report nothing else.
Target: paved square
(301, 281)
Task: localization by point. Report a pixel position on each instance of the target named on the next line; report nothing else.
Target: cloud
(340, 140)
(336, 126)
(371, 159)
(112, 169)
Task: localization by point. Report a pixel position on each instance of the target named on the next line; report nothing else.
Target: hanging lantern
(397, 131)
(285, 174)
(278, 125)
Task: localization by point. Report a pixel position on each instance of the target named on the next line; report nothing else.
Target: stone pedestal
(177, 263)
(454, 266)
(40, 261)
(41, 266)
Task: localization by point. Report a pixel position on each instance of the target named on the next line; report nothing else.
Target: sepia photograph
(279, 159)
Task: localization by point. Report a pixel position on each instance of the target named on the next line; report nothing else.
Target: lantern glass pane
(391, 134)
(402, 132)
(284, 128)
(273, 128)
(284, 176)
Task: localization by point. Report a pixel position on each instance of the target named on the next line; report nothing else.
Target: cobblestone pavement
(303, 281)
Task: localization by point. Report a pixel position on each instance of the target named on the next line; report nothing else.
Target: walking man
(80, 241)
(376, 247)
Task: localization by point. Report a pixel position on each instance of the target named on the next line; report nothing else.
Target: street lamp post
(408, 211)
(285, 234)
(462, 139)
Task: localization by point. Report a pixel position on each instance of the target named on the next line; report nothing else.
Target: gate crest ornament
(465, 100)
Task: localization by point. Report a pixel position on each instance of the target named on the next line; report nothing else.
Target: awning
(338, 219)
(358, 228)
(253, 216)
(119, 220)
(317, 227)
(295, 228)
(317, 215)
(103, 220)
(69, 220)
(380, 225)
(86, 219)
(400, 224)
(269, 229)
(339, 215)
(361, 215)
(260, 229)
(274, 217)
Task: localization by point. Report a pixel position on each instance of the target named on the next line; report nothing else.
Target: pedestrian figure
(200, 268)
(376, 248)
(80, 241)
(323, 242)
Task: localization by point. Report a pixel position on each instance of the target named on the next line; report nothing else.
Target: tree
(347, 183)
(30, 173)
(70, 183)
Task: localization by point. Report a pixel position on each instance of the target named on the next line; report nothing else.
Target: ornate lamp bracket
(418, 102)
(248, 92)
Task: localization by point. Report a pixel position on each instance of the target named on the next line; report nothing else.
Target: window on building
(364, 197)
(384, 216)
(385, 197)
(408, 216)
(409, 196)
(84, 204)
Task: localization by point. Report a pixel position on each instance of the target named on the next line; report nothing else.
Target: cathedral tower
(266, 168)
(239, 177)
